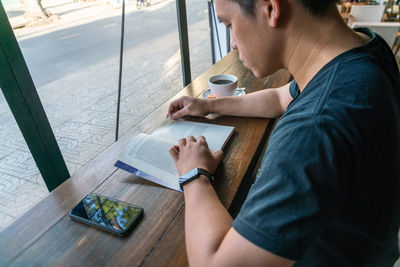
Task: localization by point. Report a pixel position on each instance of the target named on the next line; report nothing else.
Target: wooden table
(45, 235)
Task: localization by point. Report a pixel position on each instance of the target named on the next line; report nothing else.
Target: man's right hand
(188, 106)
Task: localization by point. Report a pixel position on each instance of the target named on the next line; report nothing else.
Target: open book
(148, 156)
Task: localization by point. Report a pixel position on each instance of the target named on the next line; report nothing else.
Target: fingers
(175, 107)
(174, 152)
(190, 139)
(182, 142)
(185, 141)
(202, 139)
(218, 155)
(179, 114)
(171, 110)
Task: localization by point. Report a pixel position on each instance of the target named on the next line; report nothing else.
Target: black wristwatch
(194, 174)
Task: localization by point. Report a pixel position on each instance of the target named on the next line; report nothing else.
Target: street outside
(74, 64)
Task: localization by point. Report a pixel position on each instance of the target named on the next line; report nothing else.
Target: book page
(150, 155)
(216, 135)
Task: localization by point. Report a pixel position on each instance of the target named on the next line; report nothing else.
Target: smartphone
(107, 214)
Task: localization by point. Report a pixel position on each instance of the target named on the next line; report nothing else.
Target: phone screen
(106, 213)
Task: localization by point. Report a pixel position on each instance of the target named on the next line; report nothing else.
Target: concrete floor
(74, 64)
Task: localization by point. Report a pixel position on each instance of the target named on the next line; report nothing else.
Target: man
(327, 192)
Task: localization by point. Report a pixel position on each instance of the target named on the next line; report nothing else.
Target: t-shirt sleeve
(298, 190)
(294, 89)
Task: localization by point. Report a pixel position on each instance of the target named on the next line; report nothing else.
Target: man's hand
(187, 106)
(191, 153)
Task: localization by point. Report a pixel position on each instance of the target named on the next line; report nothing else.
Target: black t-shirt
(328, 190)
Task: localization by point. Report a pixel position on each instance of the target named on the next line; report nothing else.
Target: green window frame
(21, 95)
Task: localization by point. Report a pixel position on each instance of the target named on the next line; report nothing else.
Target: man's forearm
(265, 103)
(206, 222)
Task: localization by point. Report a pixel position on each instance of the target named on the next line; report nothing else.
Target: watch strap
(200, 171)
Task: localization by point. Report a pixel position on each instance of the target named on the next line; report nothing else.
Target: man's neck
(314, 44)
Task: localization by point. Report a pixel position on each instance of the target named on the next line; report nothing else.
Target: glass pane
(152, 71)
(199, 36)
(73, 58)
(21, 184)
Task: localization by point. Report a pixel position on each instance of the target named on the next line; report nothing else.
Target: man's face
(250, 35)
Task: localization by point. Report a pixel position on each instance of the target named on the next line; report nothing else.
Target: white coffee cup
(223, 84)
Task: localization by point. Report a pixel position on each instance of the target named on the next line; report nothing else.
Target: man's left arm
(210, 238)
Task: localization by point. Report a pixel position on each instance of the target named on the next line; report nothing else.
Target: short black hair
(316, 7)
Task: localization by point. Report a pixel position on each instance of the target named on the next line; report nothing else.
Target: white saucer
(238, 91)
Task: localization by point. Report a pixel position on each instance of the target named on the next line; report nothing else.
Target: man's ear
(272, 9)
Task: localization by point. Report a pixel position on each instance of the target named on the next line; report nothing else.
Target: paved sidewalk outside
(78, 86)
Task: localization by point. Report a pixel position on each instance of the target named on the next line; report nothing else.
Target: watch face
(190, 173)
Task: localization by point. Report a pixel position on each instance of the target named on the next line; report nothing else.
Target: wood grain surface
(45, 235)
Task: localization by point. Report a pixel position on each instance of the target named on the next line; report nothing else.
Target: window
(73, 59)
